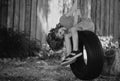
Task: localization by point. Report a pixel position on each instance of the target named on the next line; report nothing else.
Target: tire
(95, 57)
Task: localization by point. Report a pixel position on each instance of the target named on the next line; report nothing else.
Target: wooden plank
(102, 16)
(28, 16)
(98, 16)
(78, 4)
(107, 17)
(13, 12)
(39, 26)
(3, 12)
(16, 15)
(0, 10)
(22, 15)
(10, 14)
(117, 3)
(111, 17)
(82, 5)
(33, 18)
(93, 13)
(0, 3)
(116, 22)
(85, 8)
(89, 8)
(41, 34)
(119, 18)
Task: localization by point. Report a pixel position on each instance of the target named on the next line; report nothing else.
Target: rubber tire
(95, 57)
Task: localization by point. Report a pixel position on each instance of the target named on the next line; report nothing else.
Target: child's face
(61, 32)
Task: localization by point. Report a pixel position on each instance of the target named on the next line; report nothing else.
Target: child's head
(55, 38)
(60, 31)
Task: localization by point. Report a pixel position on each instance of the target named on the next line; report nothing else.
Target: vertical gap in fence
(33, 19)
(16, 15)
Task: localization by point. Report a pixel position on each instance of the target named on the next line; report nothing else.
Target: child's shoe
(71, 58)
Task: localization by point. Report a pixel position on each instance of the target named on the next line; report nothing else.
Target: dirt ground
(34, 69)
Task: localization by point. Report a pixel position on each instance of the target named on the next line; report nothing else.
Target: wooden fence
(106, 16)
(22, 15)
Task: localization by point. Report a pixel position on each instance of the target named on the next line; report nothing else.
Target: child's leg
(68, 43)
(74, 38)
(71, 57)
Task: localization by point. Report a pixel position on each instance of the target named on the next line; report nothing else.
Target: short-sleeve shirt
(87, 24)
(67, 22)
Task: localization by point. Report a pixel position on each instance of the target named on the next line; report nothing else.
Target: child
(68, 28)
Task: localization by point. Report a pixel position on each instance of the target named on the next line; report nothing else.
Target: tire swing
(89, 66)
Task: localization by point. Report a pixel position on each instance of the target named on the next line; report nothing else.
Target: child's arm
(72, 10)
(85, 25)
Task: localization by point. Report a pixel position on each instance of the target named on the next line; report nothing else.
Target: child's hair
(55, 42)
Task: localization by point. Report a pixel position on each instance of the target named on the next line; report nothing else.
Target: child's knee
(67, 36)
(73, 29)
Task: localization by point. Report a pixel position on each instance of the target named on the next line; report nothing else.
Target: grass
(34, 69)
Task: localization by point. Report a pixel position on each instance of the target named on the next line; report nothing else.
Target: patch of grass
(19, 78)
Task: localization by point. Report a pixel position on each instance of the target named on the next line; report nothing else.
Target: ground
(35, 69)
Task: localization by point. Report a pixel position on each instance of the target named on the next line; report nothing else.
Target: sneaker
(70, 59)
(76, 52)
